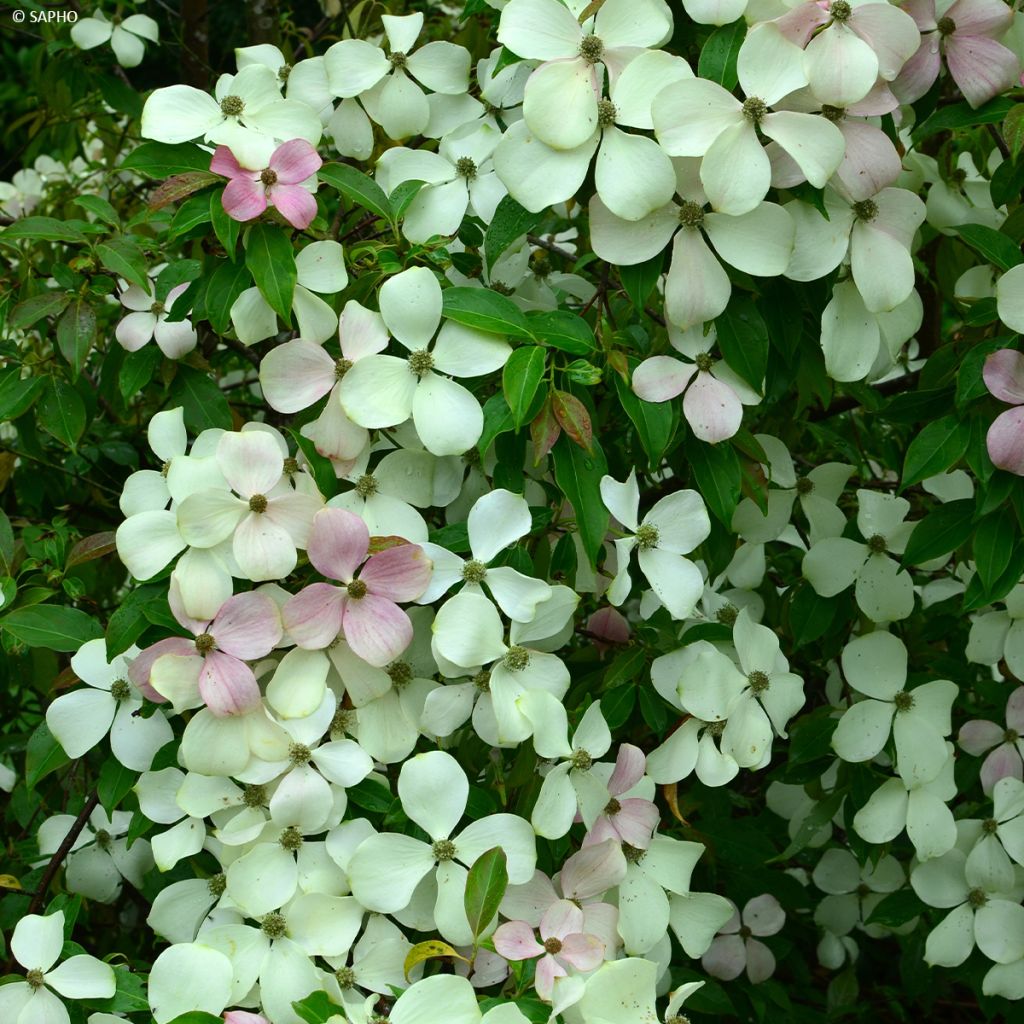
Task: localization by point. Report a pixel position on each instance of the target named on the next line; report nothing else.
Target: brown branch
(62, 851)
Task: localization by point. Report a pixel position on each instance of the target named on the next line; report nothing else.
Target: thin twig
(62, 851)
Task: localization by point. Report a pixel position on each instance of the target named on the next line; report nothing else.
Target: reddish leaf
(573, 418)
(544, 431)
(179, 186)
(88, 548)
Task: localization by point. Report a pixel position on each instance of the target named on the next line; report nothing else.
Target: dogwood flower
(36, 945)
(246, 114)
(496, 522)
(560, 104)
(713, 394)
(265, 517)
(283, 183)
(127, 37)
(885, 593)
(110, 704)
(876, 665)
(563, 944)
(624, 990)
(1004, 378)
(1003, 745)
(148, 321)
(363, 608)
(737, 947)
(966, 33)
(383, 391)
(212, 669)
(386, 868)
(853, 890)
(670, 530)
(386, 83)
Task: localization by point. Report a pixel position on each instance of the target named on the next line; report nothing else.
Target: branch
(62, 851)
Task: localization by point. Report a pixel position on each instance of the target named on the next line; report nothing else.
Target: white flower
(383, 391)
(148, 320)
(876, 666)
(386, 868)
(671, 529)
(36, 945)
(81, 719)
(125, 36)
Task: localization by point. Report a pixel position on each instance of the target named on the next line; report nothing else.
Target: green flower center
(482, 681)
(866, 210)
(727, 614)
(398, 59)
(34, 978)
(341, 367)
(516, 658)
(345, 976)
(217, 884)
(120, 689)
(804, 485)
(290, 467)
(342, 721)
(291, 839)
(647, 536)
(840, 10)
(946, 26)
(759, 681)
(443, 849)
(299, 753)
(421, 362)
(283, 72)
(704, 362)
(465, 167)
(553, 945)
(1011, 736)
(612, 807)
(400, 673)
(977, 898)
(254, 795)
(232, 106)
(258, 504)
(204, 644)
(540, 264)
(633, 854)
(357, 590)
(103, 839)
(755, 109)
(274, 926)
(367, 486)
(268, 176)
(157, 308)
(606, 113)
(833, 114)
(591, 49)
(877, 544)
(990, 826)
(581, 760)
(904, 701)
(691, 215)
(474, 571)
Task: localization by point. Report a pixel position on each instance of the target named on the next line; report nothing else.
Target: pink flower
(1005, 746)
(212, 668)
(279, 183)
(244, 1017)
(734, 948)
(981, 67)
(564, 943)
(364, 609)
(1004, 377)
(631, 820)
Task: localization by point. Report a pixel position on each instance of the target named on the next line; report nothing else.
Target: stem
(62, 851)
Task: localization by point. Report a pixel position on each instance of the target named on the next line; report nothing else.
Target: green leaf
(995, 247)
(578, 473)
(26, 313)
(76, 334)
(520, 380)
(617, 705)
(402, 195)
(203, 402)
(994, 540)
(717, 61)
(510, 221)
(202, 1017)
(935, 449)
(1013, 131)
(961, 115)
(743, 339)
(6, 543)
(654, 421)
(99, 208)
(563, 330)
(810, 615)
(485, 888)
(718, 477)
(190, 214)
(371, 796)
(179, 272)
(115, 783)
(53, 626)
(358, 187)
(497, 420)
(17, 393)
(943, 530)
(271, 258)
(320, 467)
(161, 159)
(137, 370)
(1007, 180)
(485, 310)
(129, 620)
(226, 283)
(897, 908)
(124, 258)
(43, 229)
(43, 755)
(316, 1008)
(639, 280)
(62, 412)
(226, 228)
